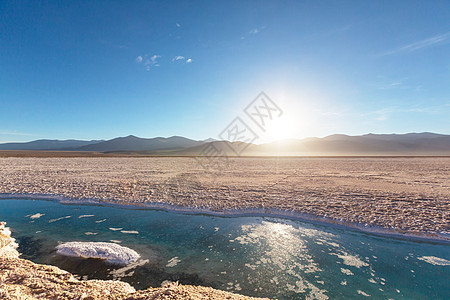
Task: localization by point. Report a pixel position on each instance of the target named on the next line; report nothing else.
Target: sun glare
(279, 129)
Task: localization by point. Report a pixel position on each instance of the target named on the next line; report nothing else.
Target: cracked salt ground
(255, 256)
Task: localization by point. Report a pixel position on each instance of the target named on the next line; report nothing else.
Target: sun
(279, 129)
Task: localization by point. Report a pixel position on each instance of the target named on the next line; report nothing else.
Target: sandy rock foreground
(22, 279)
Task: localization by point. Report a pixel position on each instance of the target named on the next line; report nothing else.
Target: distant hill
(425, 143)
(48, 145)
(132, 143)
(369, 144)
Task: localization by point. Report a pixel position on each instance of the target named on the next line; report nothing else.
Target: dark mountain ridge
(425, 143)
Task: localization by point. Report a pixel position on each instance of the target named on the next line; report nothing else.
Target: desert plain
(405, 194)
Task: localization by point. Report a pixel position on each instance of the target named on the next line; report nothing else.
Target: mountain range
(425, 143)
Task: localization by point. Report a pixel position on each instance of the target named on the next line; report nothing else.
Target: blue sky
(100, 70)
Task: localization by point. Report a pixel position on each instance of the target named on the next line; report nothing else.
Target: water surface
(256, 256)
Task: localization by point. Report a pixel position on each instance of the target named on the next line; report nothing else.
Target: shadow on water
(140, 277)
(30, 247)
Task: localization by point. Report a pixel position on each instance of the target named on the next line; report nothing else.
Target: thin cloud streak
(432, 41)
(7, 132)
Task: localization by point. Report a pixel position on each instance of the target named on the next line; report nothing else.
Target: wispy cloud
(442, 109)
(148, 61)
(183, 59)
(13, 132)
(113, 44)
(178, 57)
(429, 42)
(178, 24)
(379, 114)
(399, 84)
(154, 58)
(383, 114)
(253, 31)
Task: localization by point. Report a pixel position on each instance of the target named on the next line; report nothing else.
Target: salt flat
(407, 194)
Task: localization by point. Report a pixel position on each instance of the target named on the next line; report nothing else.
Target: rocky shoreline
(23, 279)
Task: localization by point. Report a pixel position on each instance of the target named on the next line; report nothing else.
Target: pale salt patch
(90, 233)
(36, 216)
(362, 293)
(371, 280)
(130, 231)
(336, 245)
(346, 271)
(115, 229)
(351, 260)
(216, 229)
(109, 252)
(62, 218)
(344, 282)
(115, 241)
(85, 216)
(173, 262)
(100, 221)
(437, 261)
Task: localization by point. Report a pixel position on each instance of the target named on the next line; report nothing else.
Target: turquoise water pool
(256, 256)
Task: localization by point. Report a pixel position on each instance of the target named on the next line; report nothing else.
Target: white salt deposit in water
(130, 231)
(363, 293)
(100, 221)
(173, 262)
(347, 272)
(351, 260)
(62, 218)
(36, 216)
(109, 252)
(115, 229)
(437, 261)
(85, 216)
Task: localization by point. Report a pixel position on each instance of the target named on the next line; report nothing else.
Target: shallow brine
(255, 256)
